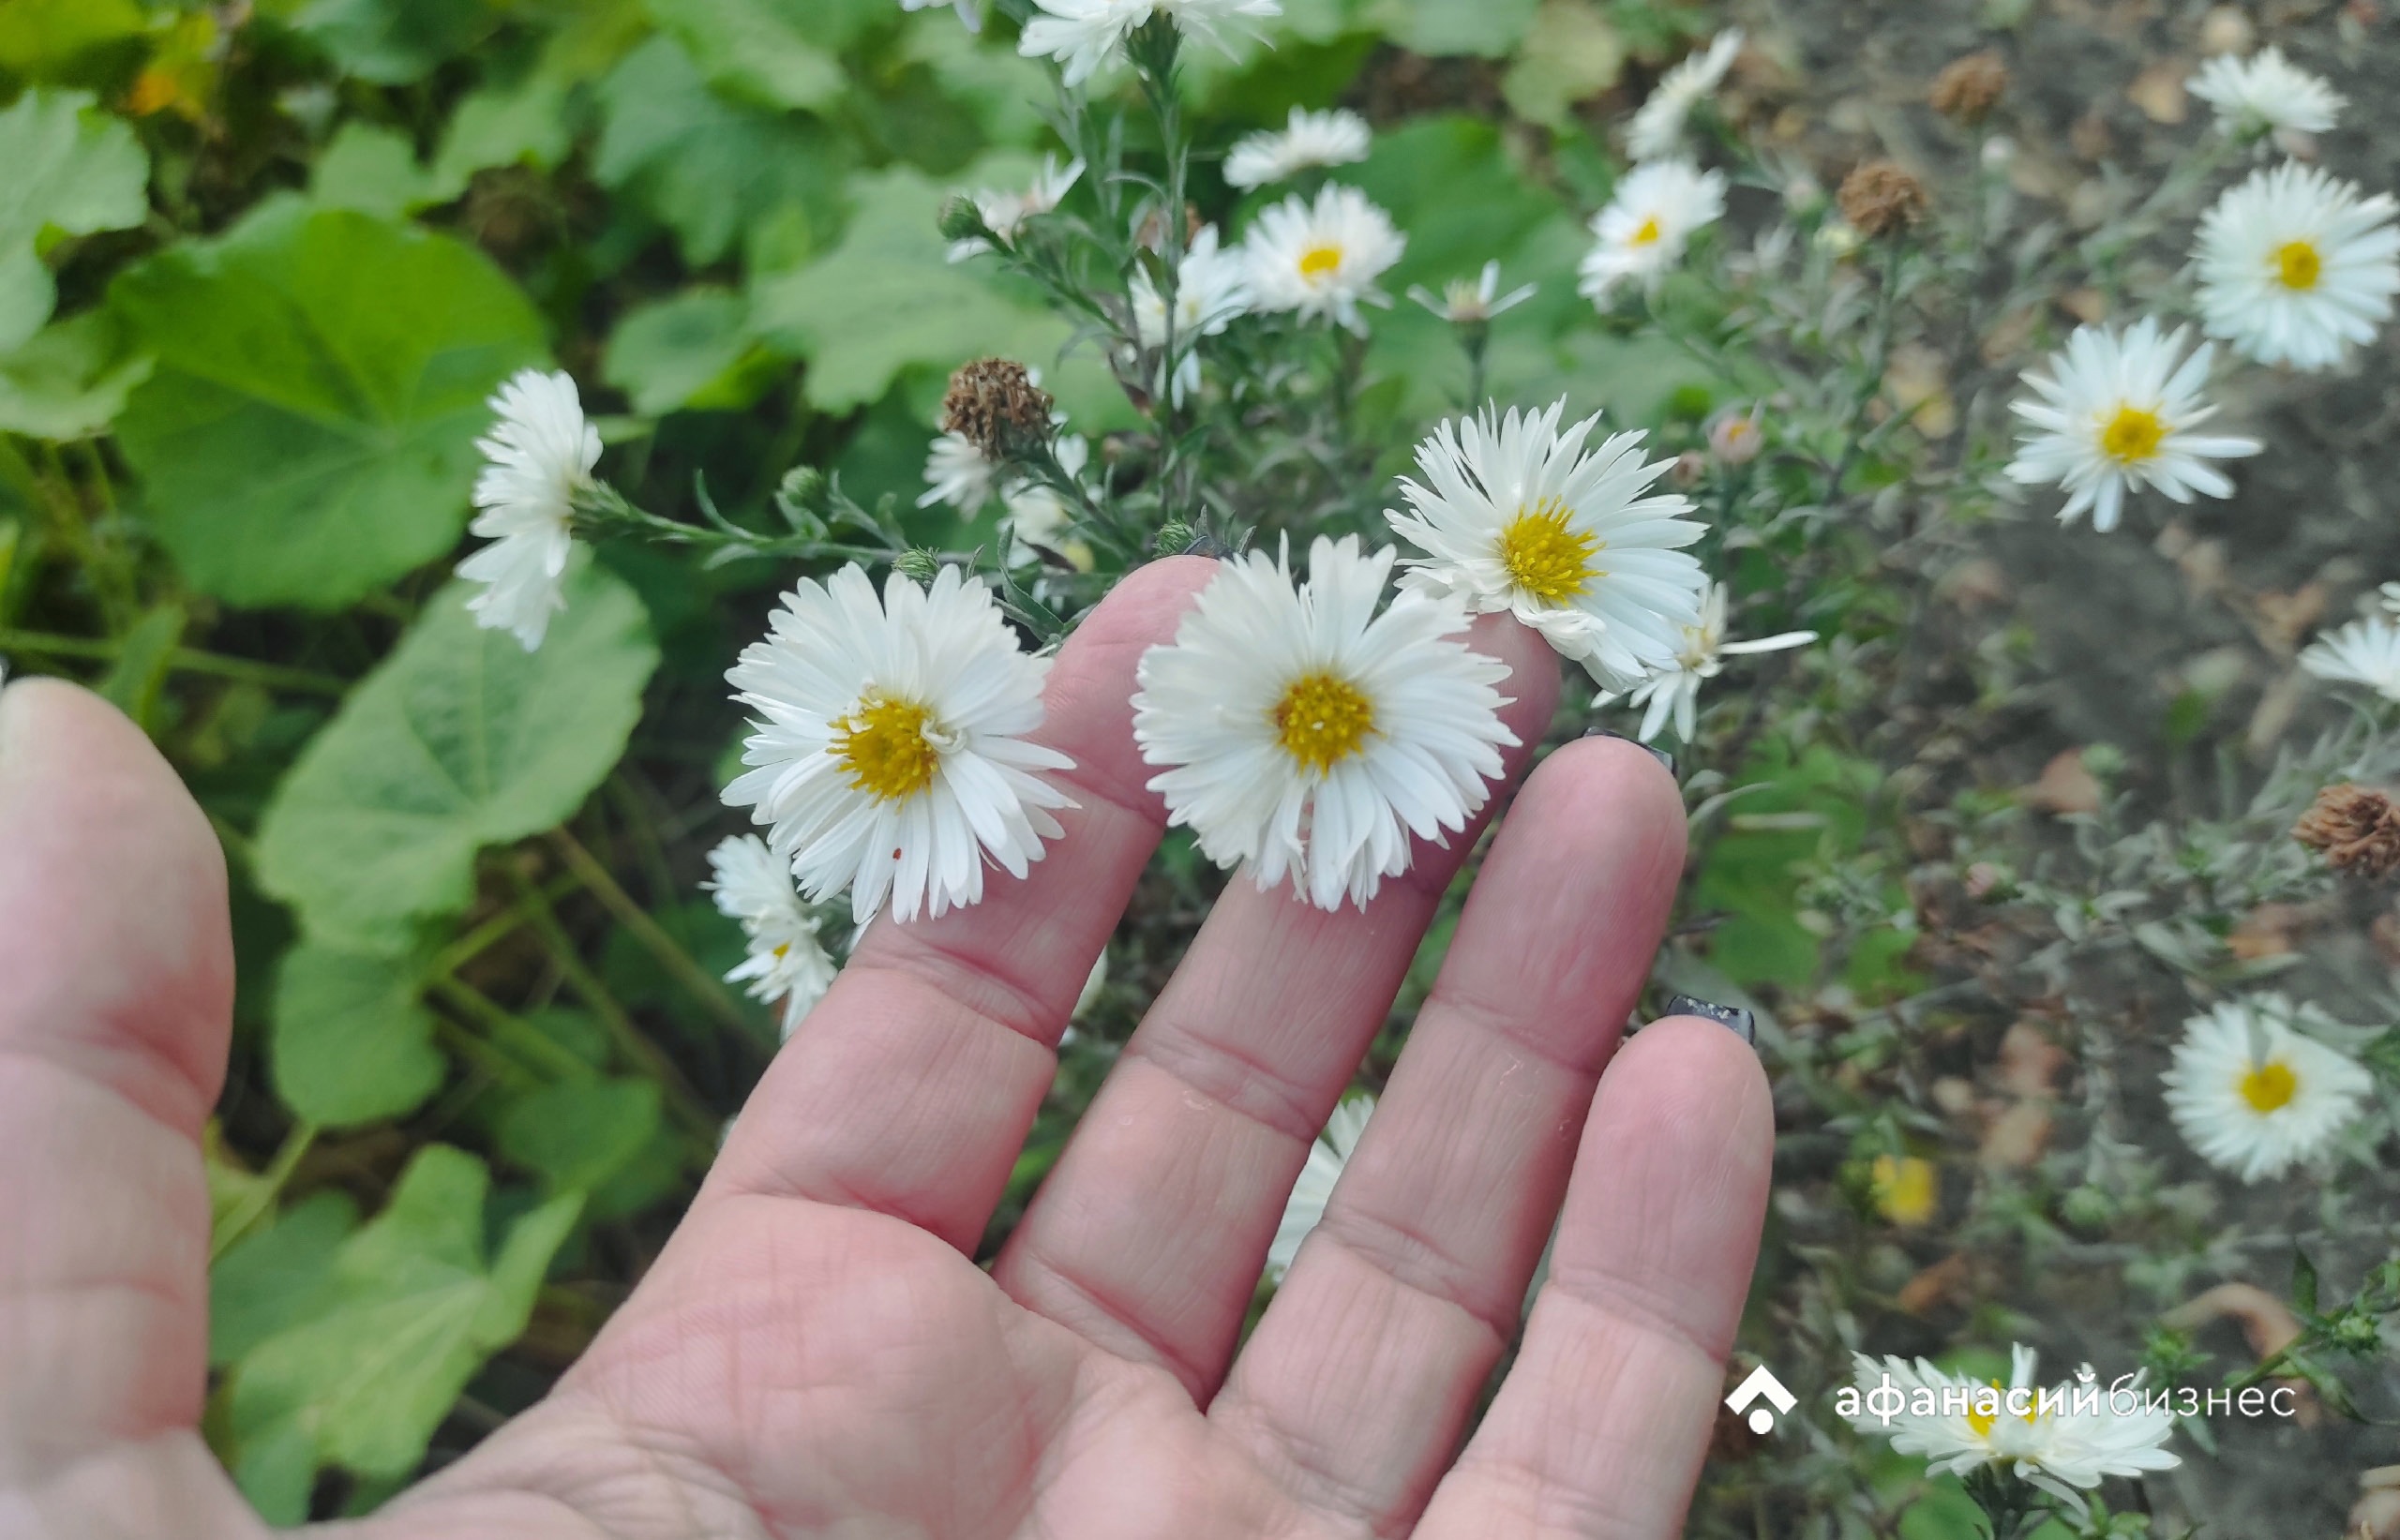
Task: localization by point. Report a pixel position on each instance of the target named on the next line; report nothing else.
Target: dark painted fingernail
(1650, 749)
(1736, 1017)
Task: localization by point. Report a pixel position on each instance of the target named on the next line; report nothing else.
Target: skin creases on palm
(815, 1352)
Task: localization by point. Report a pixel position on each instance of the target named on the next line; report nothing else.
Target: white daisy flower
(1005, 213)
(1085, 34)
(786, 961)
(1037, 513)
(2364, 652)
(1515, 515)
(1464, 304)
(1309, 736)
(1658, 125)
(538, 455)
(2116, 414)
(1328, 1154)
(1308, 138)
(1657, 210)
(2060, 1451)
(892, 758)
(2264, 94)
(2390, 594)
(2254, 1097)
(959, 473)
(2295, 265)
(1675, 690)
(1321, 259)
(1211, 289)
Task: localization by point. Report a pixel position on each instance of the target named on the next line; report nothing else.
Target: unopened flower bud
(995, 405)
(1689, 467)
(1879, 198)
(917, 565)
(962, 220)
(1173, 537)
(1736, 437)
(1969, 88)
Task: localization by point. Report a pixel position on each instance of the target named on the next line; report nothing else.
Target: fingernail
(1741, 1021)
(1650, 749)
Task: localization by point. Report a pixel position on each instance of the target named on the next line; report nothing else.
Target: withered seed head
(1969, 87)
(2356, 827)
(1879, 197)
(997, 408)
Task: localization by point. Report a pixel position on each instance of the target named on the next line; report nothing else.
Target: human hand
(815, 1352)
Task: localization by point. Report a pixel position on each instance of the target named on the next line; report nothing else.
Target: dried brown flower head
(1969, 87)
(1879, 197)
(2356, 827)
(995, 404)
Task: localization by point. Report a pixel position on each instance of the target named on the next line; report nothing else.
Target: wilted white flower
(1658, 127)
(786, 961)
(2364, 652)
(1514, 514)
(2256, 1096)
(2265, 93)
(1641, 234)
(1211, 288)
(2295, 266)
(1085, 34)
(1328, 1154)
(892, 758)
(1005, 213)
(959, 473)
(2062, 1451)
(537, 457)
(1310, 736)
(1464, 304)
(1735, 438)
(1675, 690)
(2116, 413)
(1321, 259)
(1307, 138)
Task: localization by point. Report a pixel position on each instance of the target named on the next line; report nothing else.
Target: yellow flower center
(2133, 434)
(1646, 233)
(1319, 260)
(2269, 1085)
(2297, 264)
(1982, 1421)
(1544, 557)
(1322, 720)
(885, 745)
(1905, 1189)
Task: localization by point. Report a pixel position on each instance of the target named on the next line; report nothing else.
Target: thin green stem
(184, 659)
(274, 1179)
(497, 929)
(703, 985)
(526, 1044)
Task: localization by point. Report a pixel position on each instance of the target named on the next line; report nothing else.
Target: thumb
(116, 980)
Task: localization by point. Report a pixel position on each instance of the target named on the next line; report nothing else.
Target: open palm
(816, 1352)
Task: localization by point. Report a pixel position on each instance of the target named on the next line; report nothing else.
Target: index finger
(908, 1089)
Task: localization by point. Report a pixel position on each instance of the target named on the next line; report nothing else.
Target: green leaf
(1571, 55)
(579, 1134)
(71, 379)
(415, 1310)
(374, 169)
(685, 351)
(2303, 1282)
(505, 125)
(309, 433)
(352, 1042)
(38, 37)
(392, 42)
(1490, 29)
(712, 170)
(755, 50)
(886, 298)
(277, 1278)
(460, 740)
(72, 168)
(143, 657)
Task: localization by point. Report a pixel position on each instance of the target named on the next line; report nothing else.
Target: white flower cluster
(1666, 199)
(2293, 267)
(786, 961)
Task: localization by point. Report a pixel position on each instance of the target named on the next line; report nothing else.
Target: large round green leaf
(71, 168)
(352, 1043)
(309, 433)
(460, 740)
